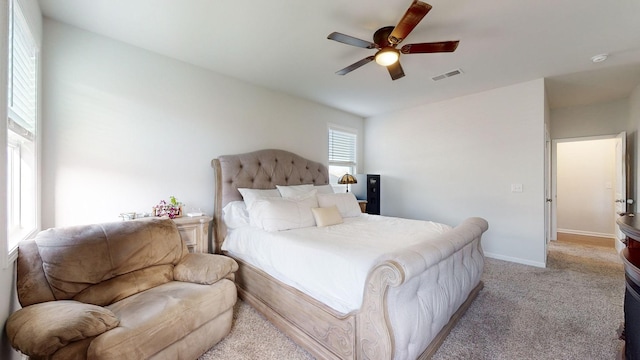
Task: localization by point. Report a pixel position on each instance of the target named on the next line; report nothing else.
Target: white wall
(125, 128)
(585, 187)
(458, 158)
(609, 118)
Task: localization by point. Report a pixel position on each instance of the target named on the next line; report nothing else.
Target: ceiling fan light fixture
(387, 56)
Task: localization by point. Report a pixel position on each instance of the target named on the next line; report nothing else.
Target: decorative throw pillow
(204, 269)
(276, 214)
(346, 203)
(294, 190)
(327, 216)
(250, 195)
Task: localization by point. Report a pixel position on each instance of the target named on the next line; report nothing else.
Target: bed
(410, 298)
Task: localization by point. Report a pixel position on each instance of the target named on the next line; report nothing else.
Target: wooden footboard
(322, 331)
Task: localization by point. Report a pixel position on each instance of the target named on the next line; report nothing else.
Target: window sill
(13, 255)
(9, 259)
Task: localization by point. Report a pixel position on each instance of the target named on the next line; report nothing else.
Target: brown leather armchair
(122, 290)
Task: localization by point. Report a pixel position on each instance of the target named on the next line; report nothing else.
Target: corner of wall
(8, 304)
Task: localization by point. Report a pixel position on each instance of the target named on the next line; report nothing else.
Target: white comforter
(329, 263)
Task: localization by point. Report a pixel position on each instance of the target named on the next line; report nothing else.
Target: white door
(621, 184)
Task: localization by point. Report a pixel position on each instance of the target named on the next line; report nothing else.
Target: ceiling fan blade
(432, 47)
(355, 65)
(395, 70)
(411, 18)
(350, 40)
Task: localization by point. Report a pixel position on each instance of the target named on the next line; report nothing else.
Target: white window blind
(342, 147)
(22, 76)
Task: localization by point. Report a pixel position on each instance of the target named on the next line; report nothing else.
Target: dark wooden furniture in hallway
(630, 226)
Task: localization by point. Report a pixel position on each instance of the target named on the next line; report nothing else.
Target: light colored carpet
(570, 310)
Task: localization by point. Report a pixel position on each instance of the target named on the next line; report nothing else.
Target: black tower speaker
(373, 194)
(368, 188)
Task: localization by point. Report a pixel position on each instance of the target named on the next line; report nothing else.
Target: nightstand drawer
(189, 235)
(194, 231)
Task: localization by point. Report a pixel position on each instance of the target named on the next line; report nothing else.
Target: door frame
(622, 196)
(547, 191)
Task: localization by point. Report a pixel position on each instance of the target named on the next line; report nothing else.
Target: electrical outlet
(516, 188)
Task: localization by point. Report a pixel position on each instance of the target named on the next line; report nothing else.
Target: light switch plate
(516, 188)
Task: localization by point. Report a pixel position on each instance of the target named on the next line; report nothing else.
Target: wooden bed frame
(363, 334)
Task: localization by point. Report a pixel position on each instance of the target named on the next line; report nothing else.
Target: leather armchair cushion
(120, 287)
(42, 329)
(156, 318)
(77, 257)
(204, 269)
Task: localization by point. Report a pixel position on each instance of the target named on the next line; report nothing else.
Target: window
(342, 152)
(21, 130)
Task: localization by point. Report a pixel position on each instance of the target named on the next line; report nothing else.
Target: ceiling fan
(387, 38)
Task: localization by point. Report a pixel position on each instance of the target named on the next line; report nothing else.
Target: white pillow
(324, 189)
(235, 214)
(249, 195)
(294, 190)
(275, 214)
(327, 216)
(346, 203)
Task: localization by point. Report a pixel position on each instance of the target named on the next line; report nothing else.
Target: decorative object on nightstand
(173, 209)
(347, 179)
(193, 228)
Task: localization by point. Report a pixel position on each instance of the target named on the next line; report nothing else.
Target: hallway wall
(586, 187)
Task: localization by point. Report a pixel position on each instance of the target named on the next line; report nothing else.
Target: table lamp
(347, 179)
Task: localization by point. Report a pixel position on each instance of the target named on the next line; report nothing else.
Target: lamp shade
(347, 179)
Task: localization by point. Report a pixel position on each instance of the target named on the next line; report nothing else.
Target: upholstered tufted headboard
(263, 169)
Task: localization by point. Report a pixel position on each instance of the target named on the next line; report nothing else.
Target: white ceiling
(282, 45)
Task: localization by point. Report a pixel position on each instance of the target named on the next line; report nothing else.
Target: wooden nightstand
(363, 205)
(194, 232)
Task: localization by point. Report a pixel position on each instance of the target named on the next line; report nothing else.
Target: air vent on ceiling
(447, 74)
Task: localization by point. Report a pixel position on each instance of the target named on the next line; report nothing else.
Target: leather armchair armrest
(204, 269)
(39, 330)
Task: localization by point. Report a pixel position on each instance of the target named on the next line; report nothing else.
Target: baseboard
(587, 233)
(515, 260)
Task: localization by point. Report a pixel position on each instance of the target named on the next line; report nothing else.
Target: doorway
(585, 187)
